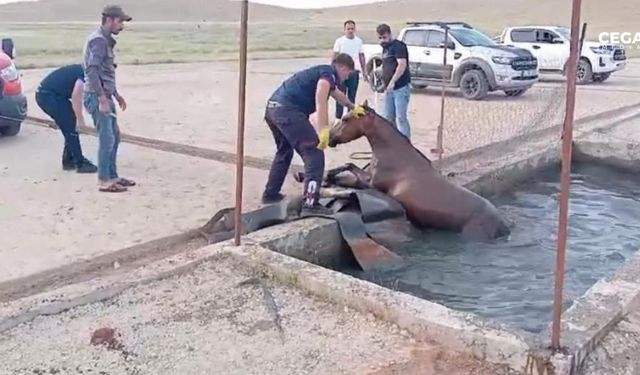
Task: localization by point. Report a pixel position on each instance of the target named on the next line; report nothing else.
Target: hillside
(491, 15)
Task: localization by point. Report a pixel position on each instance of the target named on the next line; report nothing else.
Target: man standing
(396, 78)
(287, 116)
(99, 92)
(352, 45)
(59, 95)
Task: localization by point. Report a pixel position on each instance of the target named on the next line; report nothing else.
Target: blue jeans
(108, 136)
(396, 105)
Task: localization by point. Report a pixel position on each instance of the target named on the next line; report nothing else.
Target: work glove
(358, 111)
(323, 136)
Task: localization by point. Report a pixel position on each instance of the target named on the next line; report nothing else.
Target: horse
(404, 173)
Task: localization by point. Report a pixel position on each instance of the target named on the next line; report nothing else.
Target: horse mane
(390, 124)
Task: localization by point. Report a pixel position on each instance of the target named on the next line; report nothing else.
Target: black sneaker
(270, 199)
(317, 210)
(86, 166)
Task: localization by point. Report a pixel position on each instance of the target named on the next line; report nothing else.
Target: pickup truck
(475, 63)
(13, 104)
(551, 45)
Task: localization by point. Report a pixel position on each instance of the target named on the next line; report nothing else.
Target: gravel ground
(218, 320)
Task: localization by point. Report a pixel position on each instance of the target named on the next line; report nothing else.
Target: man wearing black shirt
(396, 78)
(60, 96)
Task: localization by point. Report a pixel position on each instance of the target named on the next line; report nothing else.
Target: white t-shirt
(352, 47)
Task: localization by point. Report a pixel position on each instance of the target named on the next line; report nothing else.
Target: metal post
(440, 146)
(567, 138)
(242, 87)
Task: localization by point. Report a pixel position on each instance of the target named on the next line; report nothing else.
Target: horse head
(353, 125)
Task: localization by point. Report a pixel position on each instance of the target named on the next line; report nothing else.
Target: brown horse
(401, 171)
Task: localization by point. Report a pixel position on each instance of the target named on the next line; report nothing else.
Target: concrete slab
(205, 307)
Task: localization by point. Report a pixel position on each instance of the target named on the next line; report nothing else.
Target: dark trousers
(291, 131)
(61, 111)
(350, 88)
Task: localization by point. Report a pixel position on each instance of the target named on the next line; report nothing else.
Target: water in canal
(512, 281)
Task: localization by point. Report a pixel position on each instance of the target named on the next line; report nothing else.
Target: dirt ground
(52, 217)
(195, 104)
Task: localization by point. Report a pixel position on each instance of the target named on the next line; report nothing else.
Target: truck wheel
(584, 73)
(373, 70)
(514, 93)
(474, 85)
(11, 130)
(601, 77)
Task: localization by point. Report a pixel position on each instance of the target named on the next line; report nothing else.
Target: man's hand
(104, 104)
(80, 122)
(389, 88)
(323, 136)
(121, 102)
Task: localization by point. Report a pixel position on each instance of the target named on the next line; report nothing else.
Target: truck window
(415, 38)
(523, 36)
(545, 36)
(435, 38)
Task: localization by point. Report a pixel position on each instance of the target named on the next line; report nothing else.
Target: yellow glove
(323, 136)
(358, 111)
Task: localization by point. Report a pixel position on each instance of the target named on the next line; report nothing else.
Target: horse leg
(485, 228)
(358, 179)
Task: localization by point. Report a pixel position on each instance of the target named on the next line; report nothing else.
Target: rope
(361, 155)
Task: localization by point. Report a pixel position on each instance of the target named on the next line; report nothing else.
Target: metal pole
(242, 87)
(444, 79)
(567, 138)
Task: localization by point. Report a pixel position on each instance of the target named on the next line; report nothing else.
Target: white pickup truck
(475, 63)
(551, 45)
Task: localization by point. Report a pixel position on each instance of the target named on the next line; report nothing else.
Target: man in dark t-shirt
(396, 78)
(60, 96)
(287, 115)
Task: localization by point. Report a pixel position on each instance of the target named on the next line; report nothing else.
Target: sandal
(126, 182)
(113, 188)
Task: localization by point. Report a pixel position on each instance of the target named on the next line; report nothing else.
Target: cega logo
(620, 38)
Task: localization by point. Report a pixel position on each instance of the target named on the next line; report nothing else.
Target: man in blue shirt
(60, 96)
(397, 79)
(287, 115)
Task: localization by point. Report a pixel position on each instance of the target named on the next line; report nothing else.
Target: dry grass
(52, 32)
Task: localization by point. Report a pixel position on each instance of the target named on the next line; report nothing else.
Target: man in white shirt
(352, 45)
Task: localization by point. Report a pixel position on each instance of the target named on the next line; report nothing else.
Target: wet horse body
(401, 171)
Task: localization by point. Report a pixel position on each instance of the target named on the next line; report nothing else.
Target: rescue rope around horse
(361, 155)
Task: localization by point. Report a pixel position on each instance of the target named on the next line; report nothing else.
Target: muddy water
(511, 281)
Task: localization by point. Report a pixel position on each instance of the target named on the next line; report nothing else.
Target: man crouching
(287, 115)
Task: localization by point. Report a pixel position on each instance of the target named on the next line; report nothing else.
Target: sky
(313, 4)
(300, 4)
(13, 1)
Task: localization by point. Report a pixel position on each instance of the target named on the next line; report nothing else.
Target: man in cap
(287, 115)
(99, 93)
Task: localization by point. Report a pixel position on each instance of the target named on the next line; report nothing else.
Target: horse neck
(386, 141)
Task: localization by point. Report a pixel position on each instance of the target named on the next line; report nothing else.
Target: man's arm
(76, 101)
(336, 48)
(97, 53)
(363, 62)
(322, 105)
(402, 57)
(342, 99)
